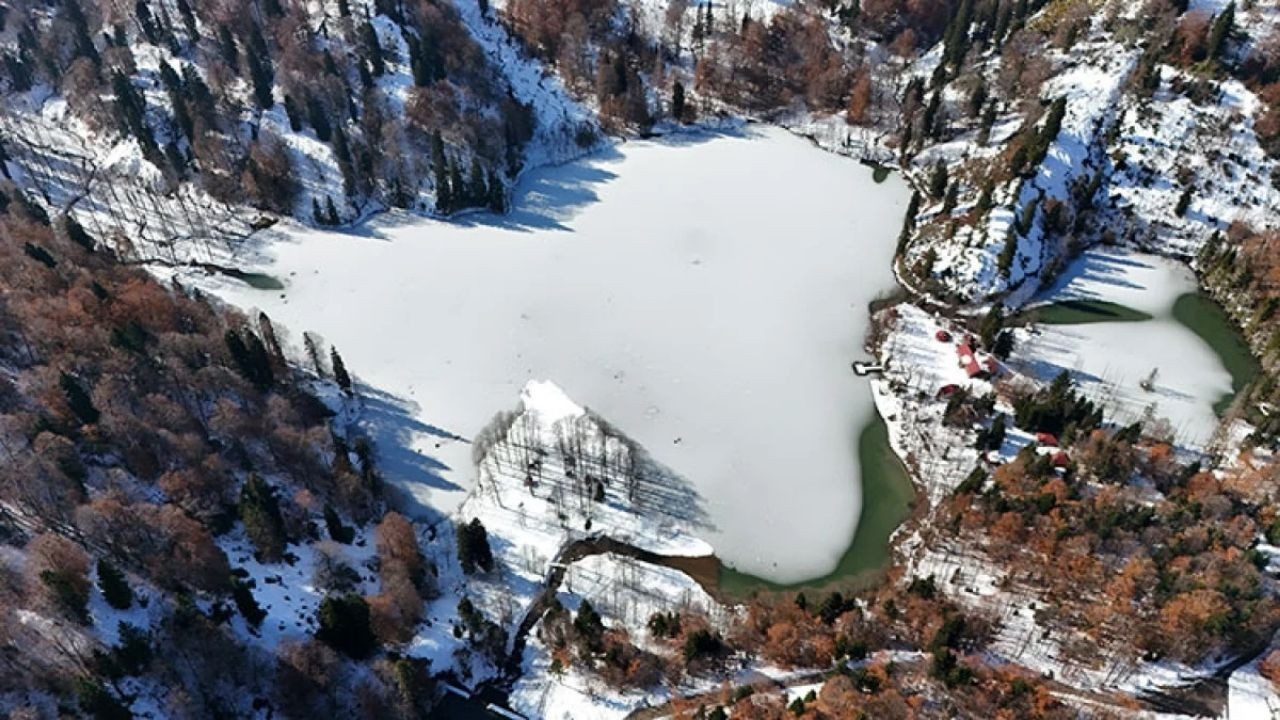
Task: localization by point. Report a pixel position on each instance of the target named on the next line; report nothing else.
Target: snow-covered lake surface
(705, 294)
(1110, 359)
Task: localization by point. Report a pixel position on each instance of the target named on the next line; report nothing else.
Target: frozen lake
(704, 294)
(1110, 359)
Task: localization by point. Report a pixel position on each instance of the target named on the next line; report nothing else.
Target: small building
(942, 335)
(968, 361)
(1044, 438)
(948, 390)
(991, 364)
(1061, 459)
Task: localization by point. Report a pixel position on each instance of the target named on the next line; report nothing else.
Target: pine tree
(79, 401)
(291, 110)
(1184, 202)
(316, 215)
(474, 552)
(318, 116)
(677, 101)
(938, 180)
(497, 200)
(440, 168)
(246, 603)
(114, 586)
(331, 212)
(1007, 254)
(1221, 31)
(227, 48)
(260, 71)
(340, 374)
(77, 234)
(344, 626)
(373, 49)
(260, 512)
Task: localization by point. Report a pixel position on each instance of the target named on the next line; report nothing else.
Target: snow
(1250, 694)
(1109, 360)
(685, 289)
(626, 593)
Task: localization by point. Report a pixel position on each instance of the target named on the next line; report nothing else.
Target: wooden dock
(861, 368)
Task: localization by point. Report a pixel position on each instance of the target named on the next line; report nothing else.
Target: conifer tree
(260, 512)
(1221, 30)
(373, 49)
(474, 552)
(115, 588)
(938, 180)
(331, 212)
(261, 73)
(340, 374)
(677, 101)
(344, 626)
(79, 401)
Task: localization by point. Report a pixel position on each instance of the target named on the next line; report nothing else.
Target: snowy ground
(686, 289)
(1109, 360)
(626, 593)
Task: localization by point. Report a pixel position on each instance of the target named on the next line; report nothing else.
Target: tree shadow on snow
(1100, 267)
(391, 425)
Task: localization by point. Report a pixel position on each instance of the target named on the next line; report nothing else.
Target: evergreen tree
(338, 532)
(340, 374)
(497, 200)
(330, 212)
(440, 168)
(260, 71)
(68, 595)
(476, 190)
(677, 101)
(991, 324)
(342, 151)
(344, 626)
(77, 234)
(950, 198)
(1184, 201)
(227, 48)
(318, 116)
(79, 401)
(246, 603)
(40, 255)
(474, 552)
(291, 110)
(97, 702)
(316, 214)
(373, 49)
(1005, 261)
(260, 512)
(1221, 31)
(250, 358)
(588, 623)
(938, 180)
(115, 588)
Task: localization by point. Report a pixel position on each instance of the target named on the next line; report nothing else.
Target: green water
(880, 173)
(887, 495)
(1209, 321)
(1079, 312)
(260, 281)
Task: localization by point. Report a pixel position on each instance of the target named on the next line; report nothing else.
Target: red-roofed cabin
(991, 365)
(968, 361)
(942, 336)
(948, 390)
(1045, 438)
(1061, 459)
